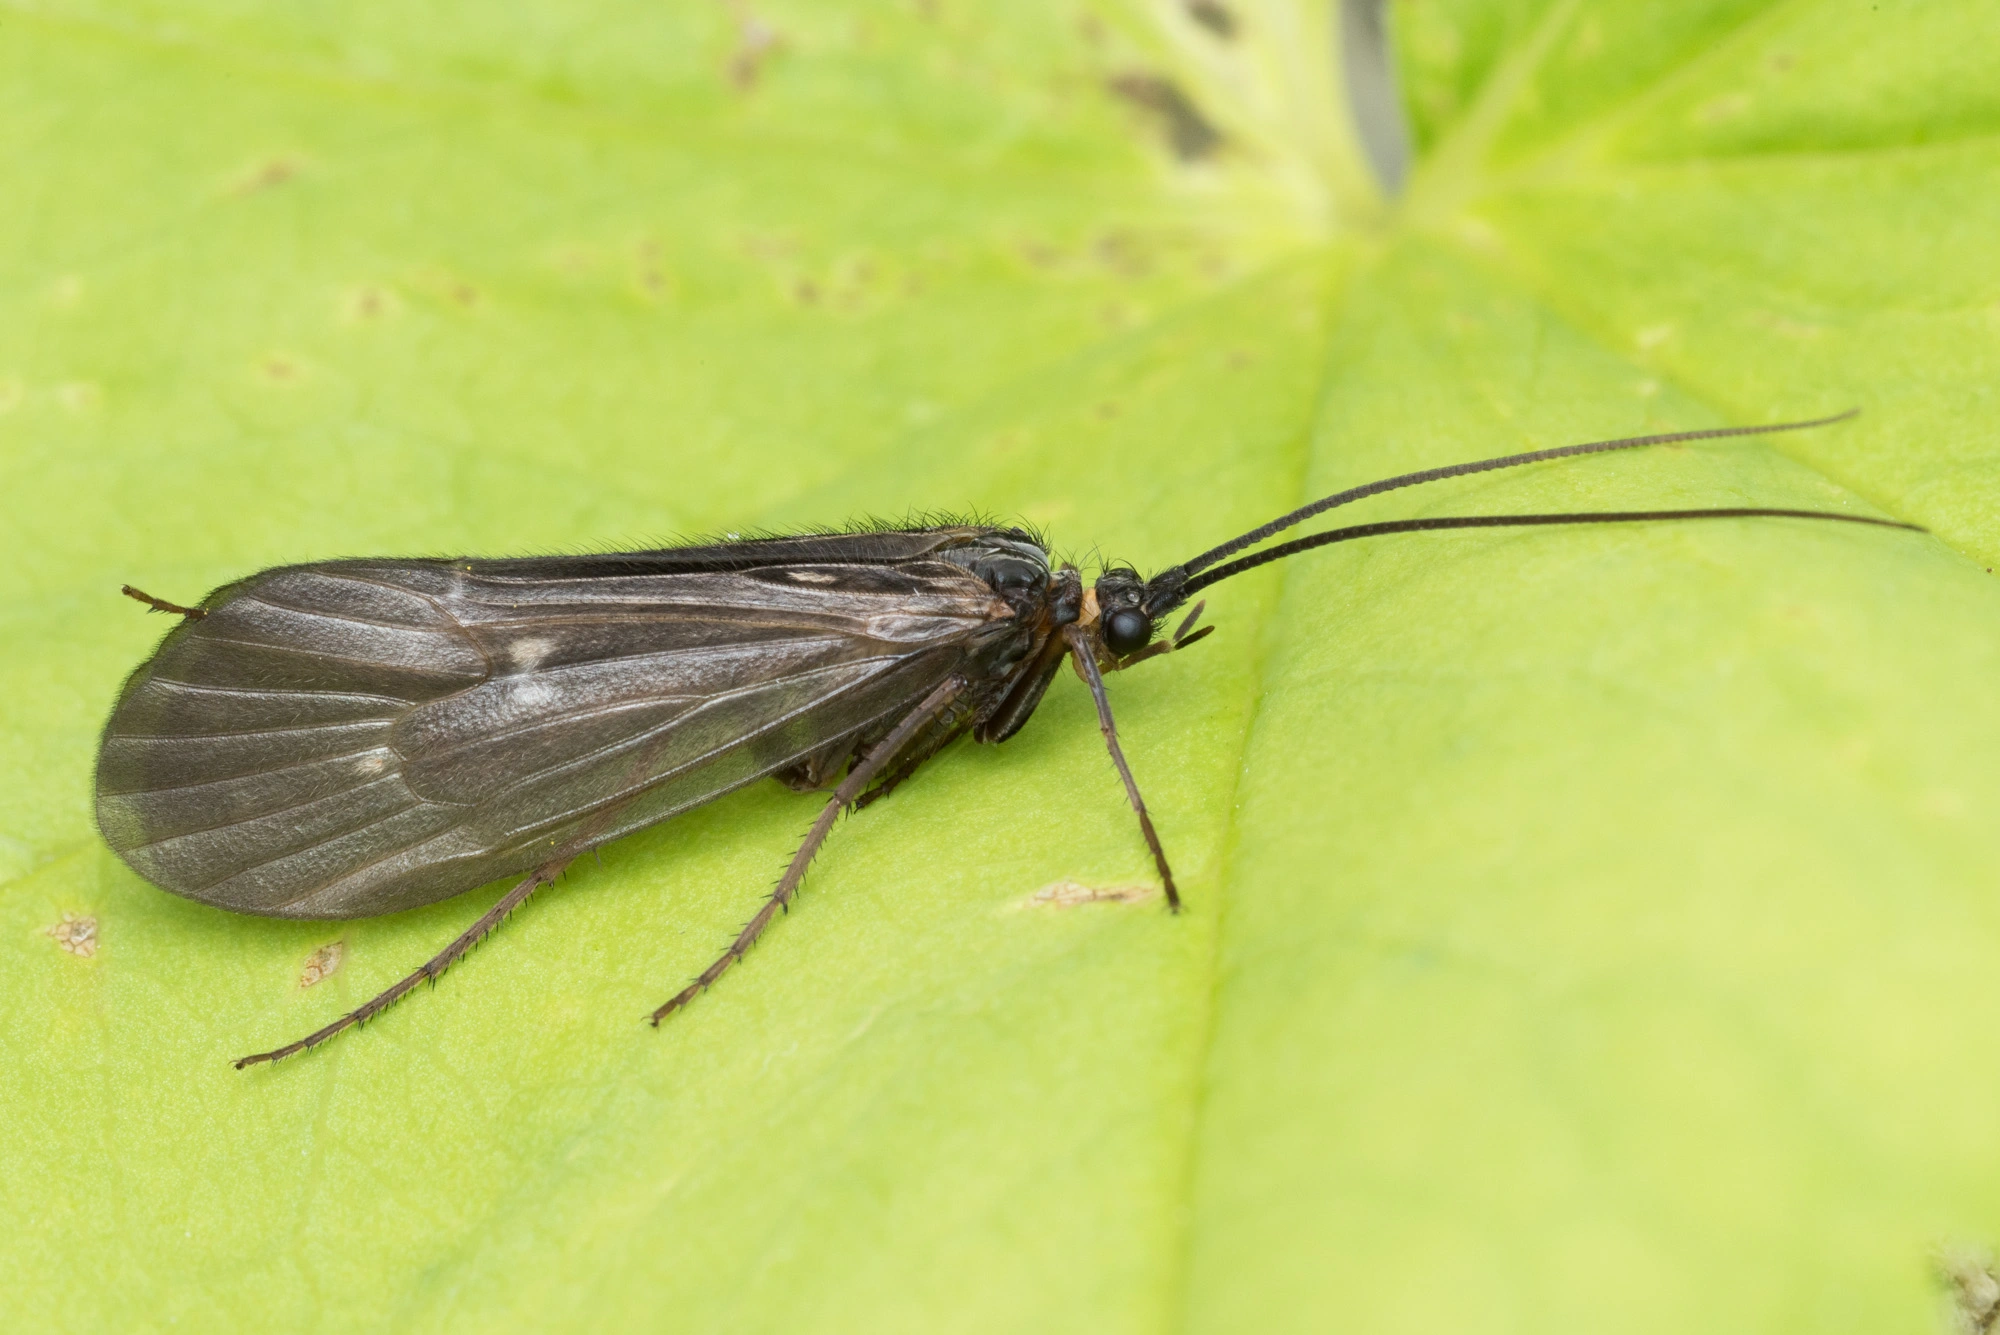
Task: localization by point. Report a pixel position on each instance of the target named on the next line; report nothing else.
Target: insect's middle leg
(856, 782)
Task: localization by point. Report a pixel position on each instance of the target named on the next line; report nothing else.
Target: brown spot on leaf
(768, 246)
(649, 274)
(1068, 894)
(443, 285)
(756, 41)
(1214, 16)
(1189, 134)
(323, 963)
(1040, 254)
(367, 303)
(806, 291)
(1123, 254)
(269, 174)
(281, 368)
(76, 933)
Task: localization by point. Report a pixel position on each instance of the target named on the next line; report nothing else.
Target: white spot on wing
(530, 694)
(811, 577)
(527, 655)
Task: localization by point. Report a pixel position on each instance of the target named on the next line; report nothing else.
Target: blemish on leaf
(1040, 254)
(368, 303)
(269, 174)
(66, 291)
(1068, 894)
(1214, 16)
(574, 261)
(12, 391)
(768, 247)
(1122, 253)
(756, 40)
(79, 396)
(323, 963)
(1975, 1289)
(1944, 803)
(1188, 133)
(281, 368)
(443, 285)
(76, 933)
(806, 292)
(1117, 315)
(1652, 336)
(1718, 109)
(649, 274)
(1790, 328)
(1478, 232)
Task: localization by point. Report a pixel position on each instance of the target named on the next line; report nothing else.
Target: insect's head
(1121, 614)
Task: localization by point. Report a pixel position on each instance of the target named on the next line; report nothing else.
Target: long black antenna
(1170, 586)
(1298, 545)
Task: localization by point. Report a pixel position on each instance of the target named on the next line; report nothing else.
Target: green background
(1590, 930)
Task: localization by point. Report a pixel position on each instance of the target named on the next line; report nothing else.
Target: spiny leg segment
(850, 788)
(465, 941)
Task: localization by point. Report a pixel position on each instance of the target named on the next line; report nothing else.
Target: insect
(355, 737)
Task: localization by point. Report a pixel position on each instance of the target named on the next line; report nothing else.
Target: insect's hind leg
(444, 959)
(946, 728)
(851, 787)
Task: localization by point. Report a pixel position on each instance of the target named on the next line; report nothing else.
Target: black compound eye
(1127, 631)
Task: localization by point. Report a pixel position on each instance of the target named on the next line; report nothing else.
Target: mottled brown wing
(355, 737)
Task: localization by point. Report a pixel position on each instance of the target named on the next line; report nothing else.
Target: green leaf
(1589, 928)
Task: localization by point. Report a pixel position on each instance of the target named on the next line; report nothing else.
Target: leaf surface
(1589, 927)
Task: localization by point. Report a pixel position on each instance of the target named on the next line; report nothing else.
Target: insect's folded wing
(344, 740)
